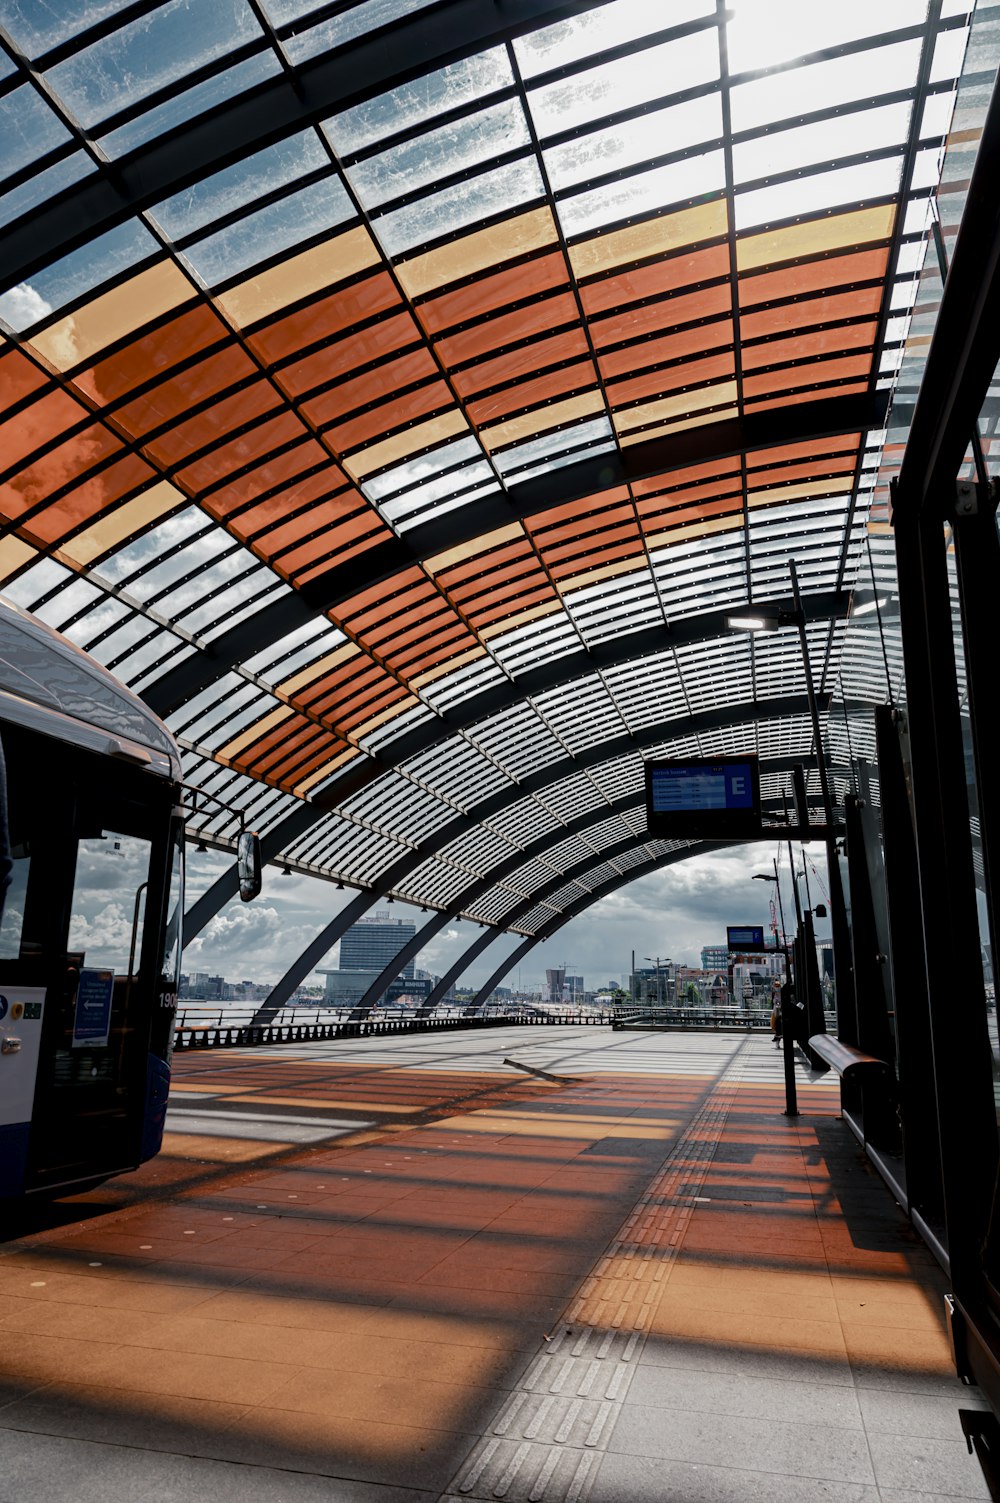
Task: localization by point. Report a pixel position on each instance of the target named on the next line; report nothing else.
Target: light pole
(770, 618)
(787, 1042)
(658, 960)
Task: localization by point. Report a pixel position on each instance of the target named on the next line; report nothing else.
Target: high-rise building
(371, 943)
(715, 957)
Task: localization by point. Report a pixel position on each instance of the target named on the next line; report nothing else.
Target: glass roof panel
(653, 134)
(76, 274)
(411, 104)
(823, 85)
(152, 52)
(593, 30)
(854, 132)
(185, 104)
(38, 25)
(354, 22)
(278, 227)
(255, 177)
(417, 163)
(761, 33)
(439, 214)
(28, 129)
(690, 178)
(819, 190)
(44, 185)
(629, 81)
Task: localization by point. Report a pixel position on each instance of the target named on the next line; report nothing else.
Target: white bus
(91, 905)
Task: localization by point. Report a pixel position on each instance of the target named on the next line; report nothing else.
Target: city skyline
(672, 913)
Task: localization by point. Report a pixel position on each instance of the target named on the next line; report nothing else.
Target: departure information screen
(723, 786)
(745, 937)
(703, 798)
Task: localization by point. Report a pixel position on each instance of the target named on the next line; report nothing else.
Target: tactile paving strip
(545, 1444)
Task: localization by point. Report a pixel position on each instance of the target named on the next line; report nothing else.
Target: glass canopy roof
(399, 401)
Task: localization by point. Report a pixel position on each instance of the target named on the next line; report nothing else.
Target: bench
(867, 1088)
(849, 1063)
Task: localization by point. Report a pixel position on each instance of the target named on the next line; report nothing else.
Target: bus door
(92, 837)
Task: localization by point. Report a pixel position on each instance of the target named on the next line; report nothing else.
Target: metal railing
(217, 1025)
(207, 1025)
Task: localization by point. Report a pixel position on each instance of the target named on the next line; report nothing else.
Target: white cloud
(672, 913)
(22, 306)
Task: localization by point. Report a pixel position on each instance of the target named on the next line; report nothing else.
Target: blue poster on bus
(92, 1022)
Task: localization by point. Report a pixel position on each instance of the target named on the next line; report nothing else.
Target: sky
(670, 914)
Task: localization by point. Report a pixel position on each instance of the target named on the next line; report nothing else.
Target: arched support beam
(483, 941)
(503, 969)
(764, 430)
(612, 885)
(554, 675)
(331, 932)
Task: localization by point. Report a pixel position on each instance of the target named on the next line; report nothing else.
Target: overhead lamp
(751, 623)
(201, 849)
(286, 870)
(390, 899)
(764, 618)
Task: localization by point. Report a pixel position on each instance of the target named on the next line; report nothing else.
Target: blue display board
(746, 937)
(92, 1022)
(703, 798)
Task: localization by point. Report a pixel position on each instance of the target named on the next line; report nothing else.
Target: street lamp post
(658, 960)
(787, 1041)
(770, 618)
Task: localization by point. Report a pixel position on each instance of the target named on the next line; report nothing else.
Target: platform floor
(405, 1270)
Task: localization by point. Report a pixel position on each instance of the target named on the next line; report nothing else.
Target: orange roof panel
(325, 317)
(160, 350)
(498, 290)
(508, 328)
(317, 370)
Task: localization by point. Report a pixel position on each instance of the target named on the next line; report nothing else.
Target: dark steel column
(870, 959)
(911, 1004)
(960, 1041)
(977, 563)
(843, 974)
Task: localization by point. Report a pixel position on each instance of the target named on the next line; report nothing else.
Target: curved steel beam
(270, 112)
(763, 430)
(331, 932)
(669, 859)
(294, 825)
(557, 922)
(551, 675)
(559, 879)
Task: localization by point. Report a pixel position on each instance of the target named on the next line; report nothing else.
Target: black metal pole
(962, 1056)
(842, 969)
(788, 1045)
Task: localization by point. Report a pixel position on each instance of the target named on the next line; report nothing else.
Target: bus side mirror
(248, 864)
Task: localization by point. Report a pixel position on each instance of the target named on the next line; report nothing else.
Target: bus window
(109, 900)
(106, 927)
(13, 904)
